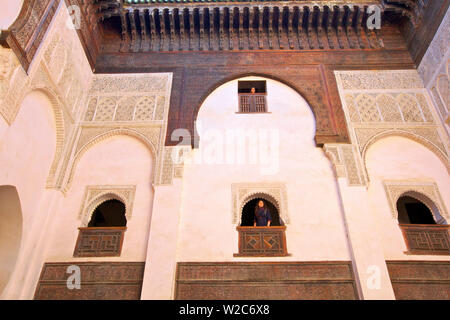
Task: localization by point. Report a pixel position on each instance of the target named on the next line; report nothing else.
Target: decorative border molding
(424, 191)
(96, 195)
(275, 192)
(344, 158)
(378, 104)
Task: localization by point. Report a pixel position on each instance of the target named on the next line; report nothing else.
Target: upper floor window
(252, 96)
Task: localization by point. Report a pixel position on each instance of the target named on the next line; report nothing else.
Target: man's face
(261, 204)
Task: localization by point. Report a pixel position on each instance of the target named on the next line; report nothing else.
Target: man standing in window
(262, 215)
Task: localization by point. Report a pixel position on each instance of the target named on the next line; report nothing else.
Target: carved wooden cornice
(167, 25)
(26, 33)
(184, 25)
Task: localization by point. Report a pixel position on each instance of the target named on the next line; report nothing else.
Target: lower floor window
(105, 232)
(424, 229)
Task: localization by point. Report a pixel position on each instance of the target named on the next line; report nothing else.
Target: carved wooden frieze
(420, 280)
(268, 280)
(99, 281)
(427, 239)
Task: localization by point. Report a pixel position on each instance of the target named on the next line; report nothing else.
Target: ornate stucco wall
(434, 70)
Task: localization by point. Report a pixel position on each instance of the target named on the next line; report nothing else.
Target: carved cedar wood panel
(26, 33)
(268, 280)
(420, 280)
(99, 281)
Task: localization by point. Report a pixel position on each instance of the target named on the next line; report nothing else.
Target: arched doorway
(10, 232)
(248, 213)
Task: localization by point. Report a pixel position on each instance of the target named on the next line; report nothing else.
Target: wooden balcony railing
(249, 103)
(99, 242)
(262, 242)
(427, 239)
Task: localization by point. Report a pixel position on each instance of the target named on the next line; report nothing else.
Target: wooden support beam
(320, 22)
(201, 16)
(221, 31)
(260, 29)
(182, 30)
(290, 26)
(162, 31)
(144, 37)
(241, 28)
(134, 37)
(280, 28)
(211, 28)
(191, 29)
(231, 27)
(349, 26)
(309, 28)
(251, 19)
(171, 29)
(329, 26)
(301, 15)
(270, 26)
(153, 37)
(340, 26)
(124, 45)
(359, 35)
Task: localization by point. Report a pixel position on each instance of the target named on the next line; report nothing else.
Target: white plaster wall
(398, 158)
(316, 230)
(10, 232)
(119, 160)
(10, 11)
(27, 149)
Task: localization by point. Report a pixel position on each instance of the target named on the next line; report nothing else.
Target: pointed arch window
(104, 235)
(423, 227)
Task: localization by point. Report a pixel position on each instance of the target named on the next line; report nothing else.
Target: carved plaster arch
(95, 196)
(405, 134)
(260, 195)
(425, 192)
(428, 203)
(273, 192)
(103, 136)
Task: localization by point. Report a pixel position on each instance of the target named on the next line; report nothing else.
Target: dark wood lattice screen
(427, 239)
(262, 241)
(252, 103)
(99, 242)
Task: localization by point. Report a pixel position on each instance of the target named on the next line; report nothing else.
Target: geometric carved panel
(262, 242)
(99, 242)
(269, 280)
(427, 239)
(420, 280)
(99, 281)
